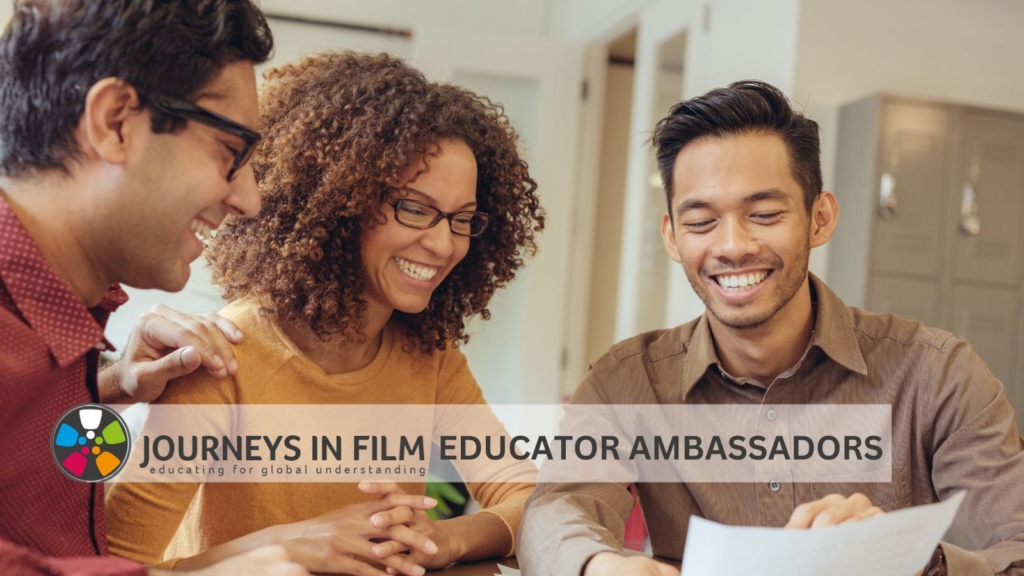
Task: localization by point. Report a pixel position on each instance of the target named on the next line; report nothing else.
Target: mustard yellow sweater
(150, 522)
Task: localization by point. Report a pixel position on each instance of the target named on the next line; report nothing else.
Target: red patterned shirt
(49, 350)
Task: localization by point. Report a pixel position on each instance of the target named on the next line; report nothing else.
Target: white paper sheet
(506, 571)
(894, 544)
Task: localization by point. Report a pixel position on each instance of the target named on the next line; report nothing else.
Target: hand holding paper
(895, 544)
(833, 510)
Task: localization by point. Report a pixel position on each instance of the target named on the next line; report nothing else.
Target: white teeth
(422, 273)
(202, 231)
(738, 282)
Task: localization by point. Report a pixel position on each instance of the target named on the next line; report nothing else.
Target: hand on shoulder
(167, 344)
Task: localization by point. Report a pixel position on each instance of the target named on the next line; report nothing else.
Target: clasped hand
(393, 531)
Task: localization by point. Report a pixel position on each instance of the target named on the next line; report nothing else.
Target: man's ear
(824, 218)
(668, 236)
(111, 113)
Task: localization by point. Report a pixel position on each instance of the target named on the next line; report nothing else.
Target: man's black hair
(744, 107)
(53, 51)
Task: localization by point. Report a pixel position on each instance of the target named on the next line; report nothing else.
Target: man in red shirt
(125, 128)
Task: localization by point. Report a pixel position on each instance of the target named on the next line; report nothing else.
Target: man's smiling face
(741, 228)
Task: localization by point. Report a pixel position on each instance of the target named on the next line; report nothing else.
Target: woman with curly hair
(393, 209)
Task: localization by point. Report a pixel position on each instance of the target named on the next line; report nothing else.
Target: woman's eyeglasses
(422, 216)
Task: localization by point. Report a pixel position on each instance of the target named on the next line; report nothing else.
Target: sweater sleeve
(143, 517)
(509, 482)
(18, 561)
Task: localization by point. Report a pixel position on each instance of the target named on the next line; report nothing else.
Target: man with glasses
(125, 126)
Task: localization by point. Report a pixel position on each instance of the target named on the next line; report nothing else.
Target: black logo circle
(90, 443)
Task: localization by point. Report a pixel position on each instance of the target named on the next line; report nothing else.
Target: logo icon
(90, 443)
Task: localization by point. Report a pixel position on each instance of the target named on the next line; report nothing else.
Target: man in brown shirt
(743, 180)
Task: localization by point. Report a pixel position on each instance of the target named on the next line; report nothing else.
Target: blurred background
(916, 100)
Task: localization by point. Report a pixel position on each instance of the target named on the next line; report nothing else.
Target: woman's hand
(339, 541)
(447, 550)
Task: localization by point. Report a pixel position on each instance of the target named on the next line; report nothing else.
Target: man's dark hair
(743, 107)
(53, 51)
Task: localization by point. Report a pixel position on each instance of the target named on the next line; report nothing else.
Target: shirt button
(100, 346)
(774, 486)
(771, 415)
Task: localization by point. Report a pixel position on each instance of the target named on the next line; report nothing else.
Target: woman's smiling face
(405, 265)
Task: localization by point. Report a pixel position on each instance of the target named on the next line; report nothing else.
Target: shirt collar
(700, 353)
(833, 334)
(44, 299)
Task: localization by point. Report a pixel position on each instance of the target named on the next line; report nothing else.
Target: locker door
(910, 299)
(1015, 389)
(987, 318)
(911, 191)
(989, 241)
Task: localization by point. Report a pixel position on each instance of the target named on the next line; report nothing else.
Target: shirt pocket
(889, 496)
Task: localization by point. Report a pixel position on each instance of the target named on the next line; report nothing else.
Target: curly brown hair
(340, 128)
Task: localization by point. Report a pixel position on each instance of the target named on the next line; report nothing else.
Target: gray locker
(1016, 393)
(917, 299)
(914, 164)
(931, 226)
(987, 318)
(990, 204)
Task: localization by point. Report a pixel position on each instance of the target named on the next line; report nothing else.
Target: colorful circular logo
(90, 443)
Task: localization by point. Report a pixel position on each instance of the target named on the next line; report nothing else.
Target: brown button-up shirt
(952, 429)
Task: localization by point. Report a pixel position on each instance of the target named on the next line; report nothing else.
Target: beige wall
(608, 226)
(968, 52)
(602, 20)
(294, 40)
(544, 18)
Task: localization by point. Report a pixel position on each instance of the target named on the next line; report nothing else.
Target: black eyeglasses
(422, 216)
(186, 110)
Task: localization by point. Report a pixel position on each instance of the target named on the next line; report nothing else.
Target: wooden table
(484, 568)
(490, 567)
